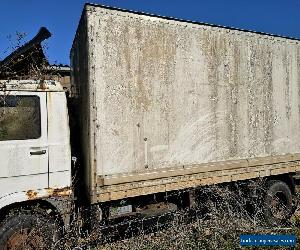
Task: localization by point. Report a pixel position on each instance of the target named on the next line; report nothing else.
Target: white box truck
(160, 105)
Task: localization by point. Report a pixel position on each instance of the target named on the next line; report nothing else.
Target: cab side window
(20, 117)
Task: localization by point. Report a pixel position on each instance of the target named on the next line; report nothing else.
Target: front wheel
(28, 231)
(278, 205)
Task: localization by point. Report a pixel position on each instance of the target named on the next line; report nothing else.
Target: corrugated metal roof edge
(189, 21)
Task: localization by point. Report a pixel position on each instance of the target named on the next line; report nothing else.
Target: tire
(25, 230)
(278, 205)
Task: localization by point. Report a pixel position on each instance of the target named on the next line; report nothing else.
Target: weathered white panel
(58, 132)
(165, 93)
(83, 114)
(60, 179)
(17, 161)
(58, 140)
(24, 183)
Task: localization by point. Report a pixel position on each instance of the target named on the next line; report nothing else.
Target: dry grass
(221, 216)
(220, 229)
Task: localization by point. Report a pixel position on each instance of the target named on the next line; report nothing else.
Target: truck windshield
(20, 117)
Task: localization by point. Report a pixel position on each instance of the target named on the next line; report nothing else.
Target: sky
(61, 17)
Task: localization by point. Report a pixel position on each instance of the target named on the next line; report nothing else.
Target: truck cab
(34, 146)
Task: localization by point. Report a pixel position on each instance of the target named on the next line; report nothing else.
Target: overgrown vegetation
(226, 218)
(222, 214)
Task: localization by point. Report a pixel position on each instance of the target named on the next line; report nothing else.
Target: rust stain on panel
(31, 194)
(60, 192)
(48, 192)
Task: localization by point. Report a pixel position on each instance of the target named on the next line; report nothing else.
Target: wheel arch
(48, 206)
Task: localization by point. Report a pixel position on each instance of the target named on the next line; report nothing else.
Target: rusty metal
(59, 192)
(31, 194)
(25, 239)
(156, 209)
(49, 193)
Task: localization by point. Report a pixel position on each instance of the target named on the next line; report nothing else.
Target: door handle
(40, 152)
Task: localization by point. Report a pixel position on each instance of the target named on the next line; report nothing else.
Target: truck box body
(162, 98)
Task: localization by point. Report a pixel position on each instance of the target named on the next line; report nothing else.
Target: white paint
(206, 94)
(159, 148)
(17, 160)
(58, 140)
(21, 172)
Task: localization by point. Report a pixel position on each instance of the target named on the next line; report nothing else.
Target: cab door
(23, 142)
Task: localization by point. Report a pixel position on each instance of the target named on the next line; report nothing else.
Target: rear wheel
(278, 205)
(25, 230)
